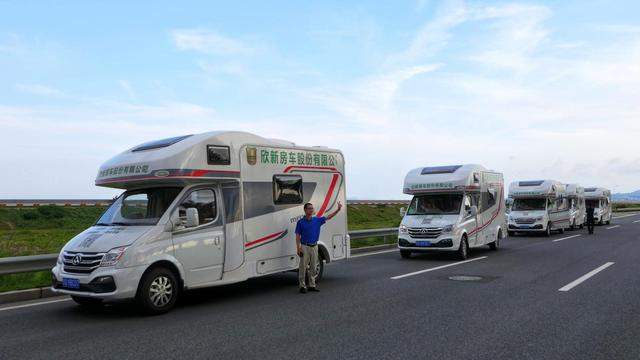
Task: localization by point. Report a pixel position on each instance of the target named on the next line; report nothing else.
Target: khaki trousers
(309, 259)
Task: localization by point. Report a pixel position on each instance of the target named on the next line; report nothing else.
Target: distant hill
(632, 196)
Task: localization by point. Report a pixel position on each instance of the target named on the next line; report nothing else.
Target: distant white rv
(202, 210)
(454, 208)
(538, 206)
(600, 199)
(577, 207)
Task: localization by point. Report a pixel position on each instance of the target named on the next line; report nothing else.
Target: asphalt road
(515, 310)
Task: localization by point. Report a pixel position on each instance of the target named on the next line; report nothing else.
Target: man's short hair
(307, 205)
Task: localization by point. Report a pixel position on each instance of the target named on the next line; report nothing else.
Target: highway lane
(513, 311)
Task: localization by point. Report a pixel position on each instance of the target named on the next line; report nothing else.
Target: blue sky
(533, 89)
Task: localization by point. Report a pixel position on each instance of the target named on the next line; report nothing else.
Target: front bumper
(526, 228)
(441, 243)
(103, 283)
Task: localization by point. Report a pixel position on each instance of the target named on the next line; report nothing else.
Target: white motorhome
(454, 208)
(202, 210)
(538, 206)
(600, 199)
(577, 207)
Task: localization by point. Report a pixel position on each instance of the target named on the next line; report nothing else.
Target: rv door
(470, 216)
(199, 242)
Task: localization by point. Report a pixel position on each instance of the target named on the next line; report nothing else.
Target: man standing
(590, 218)
(307, 235)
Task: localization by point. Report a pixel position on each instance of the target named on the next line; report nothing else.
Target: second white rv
(454, 208)
(600, 199)
(577, 208)
(538, 206)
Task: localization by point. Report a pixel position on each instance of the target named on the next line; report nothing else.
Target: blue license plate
(525, 226)
(423, 243)
(70, 283)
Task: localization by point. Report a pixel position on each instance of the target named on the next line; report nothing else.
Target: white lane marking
(613, 227)
(568, 237)
(437, 268)
(637, 221)
(372, 253)
(34, 304)
(624, 216)
(584, 277)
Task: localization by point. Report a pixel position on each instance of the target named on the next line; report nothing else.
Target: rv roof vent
(285, 142)
(531, 183)
(160, 143)
(440, 170)
(590, 189)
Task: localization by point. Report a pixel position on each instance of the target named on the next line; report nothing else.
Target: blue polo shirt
(309, 230)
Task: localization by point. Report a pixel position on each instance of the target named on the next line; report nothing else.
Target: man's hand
(335, 212)
(300, 251)
(339, 205)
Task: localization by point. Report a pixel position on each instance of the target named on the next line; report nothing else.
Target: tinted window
(204, 200)
(435, 204)
(488, 200)
(531, 183)
(218, 155)
(139, 207)
(160, 143)
(529, 204)
(287, 189)
(440, 169)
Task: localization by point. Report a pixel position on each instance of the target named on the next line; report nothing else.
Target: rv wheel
(561, 230)
(158, 291)
(511, 233)
(463, 250)
(609, 221)
(496, 243)
(87, 302)
(405, 254)
(573, 225)
(548, 232)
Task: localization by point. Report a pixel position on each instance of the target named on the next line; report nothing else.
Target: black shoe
(303, 290)
(313, 289)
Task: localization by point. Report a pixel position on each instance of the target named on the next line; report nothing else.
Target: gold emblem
(252, 155)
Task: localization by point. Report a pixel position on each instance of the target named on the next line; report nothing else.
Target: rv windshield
(435, 204)
(593, 203)
(529, 204)
(139, 207)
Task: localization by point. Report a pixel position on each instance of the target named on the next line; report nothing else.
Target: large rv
(454, 208)
(202, 210)
(600, 199)
(538, 206)
(577, 208)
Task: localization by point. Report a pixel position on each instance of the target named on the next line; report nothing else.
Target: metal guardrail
(23, 264)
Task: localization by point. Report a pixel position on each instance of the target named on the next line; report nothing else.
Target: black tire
(463, 249)
(511, 233)
(405, 254)
(581, 226)
(561, 230)
(158, 291)
(573, 225)
(495, 245)
(547, 233)
(87, 302)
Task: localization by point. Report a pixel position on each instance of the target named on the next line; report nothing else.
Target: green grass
(45, 229)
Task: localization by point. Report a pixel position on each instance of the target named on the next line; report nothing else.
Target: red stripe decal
(268, 237)
(332, 187)
(500, 201)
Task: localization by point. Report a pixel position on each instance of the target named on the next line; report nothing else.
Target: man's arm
(298, 247)
(335, 212)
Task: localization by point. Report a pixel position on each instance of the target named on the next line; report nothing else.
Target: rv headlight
(112, 257)
(403, 229)
(447, 228)
(60, 258)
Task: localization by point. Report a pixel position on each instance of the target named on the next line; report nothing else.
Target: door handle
(217, 241)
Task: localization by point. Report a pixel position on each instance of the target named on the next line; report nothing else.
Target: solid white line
(584, 277)
(613, 227)
(637, 221)
(565, 238)
(34, 304)
(624, 216)
(372, 253)
(437, 268)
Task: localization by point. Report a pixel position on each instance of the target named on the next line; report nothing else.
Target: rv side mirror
(192, 218)
(403, 212)
(473, 211)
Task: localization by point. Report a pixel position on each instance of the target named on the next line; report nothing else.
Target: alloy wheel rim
(160, 291)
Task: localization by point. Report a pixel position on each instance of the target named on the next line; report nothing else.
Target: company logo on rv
(124, 170)
(285, 157)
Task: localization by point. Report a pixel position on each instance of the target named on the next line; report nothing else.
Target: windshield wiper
(120, 223)
(102, 224)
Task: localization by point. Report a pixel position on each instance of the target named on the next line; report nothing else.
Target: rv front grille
(424, 233)
(81, 263)
(525, 220)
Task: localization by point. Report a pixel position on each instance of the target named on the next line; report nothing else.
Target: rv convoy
(221, 207)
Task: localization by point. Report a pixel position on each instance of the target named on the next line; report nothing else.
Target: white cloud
(40, 90)
(208, 42)
(128, 89)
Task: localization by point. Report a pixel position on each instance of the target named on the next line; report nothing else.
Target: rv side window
(218, 155)
(204, 200)
(487, 200)
(287, 189)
